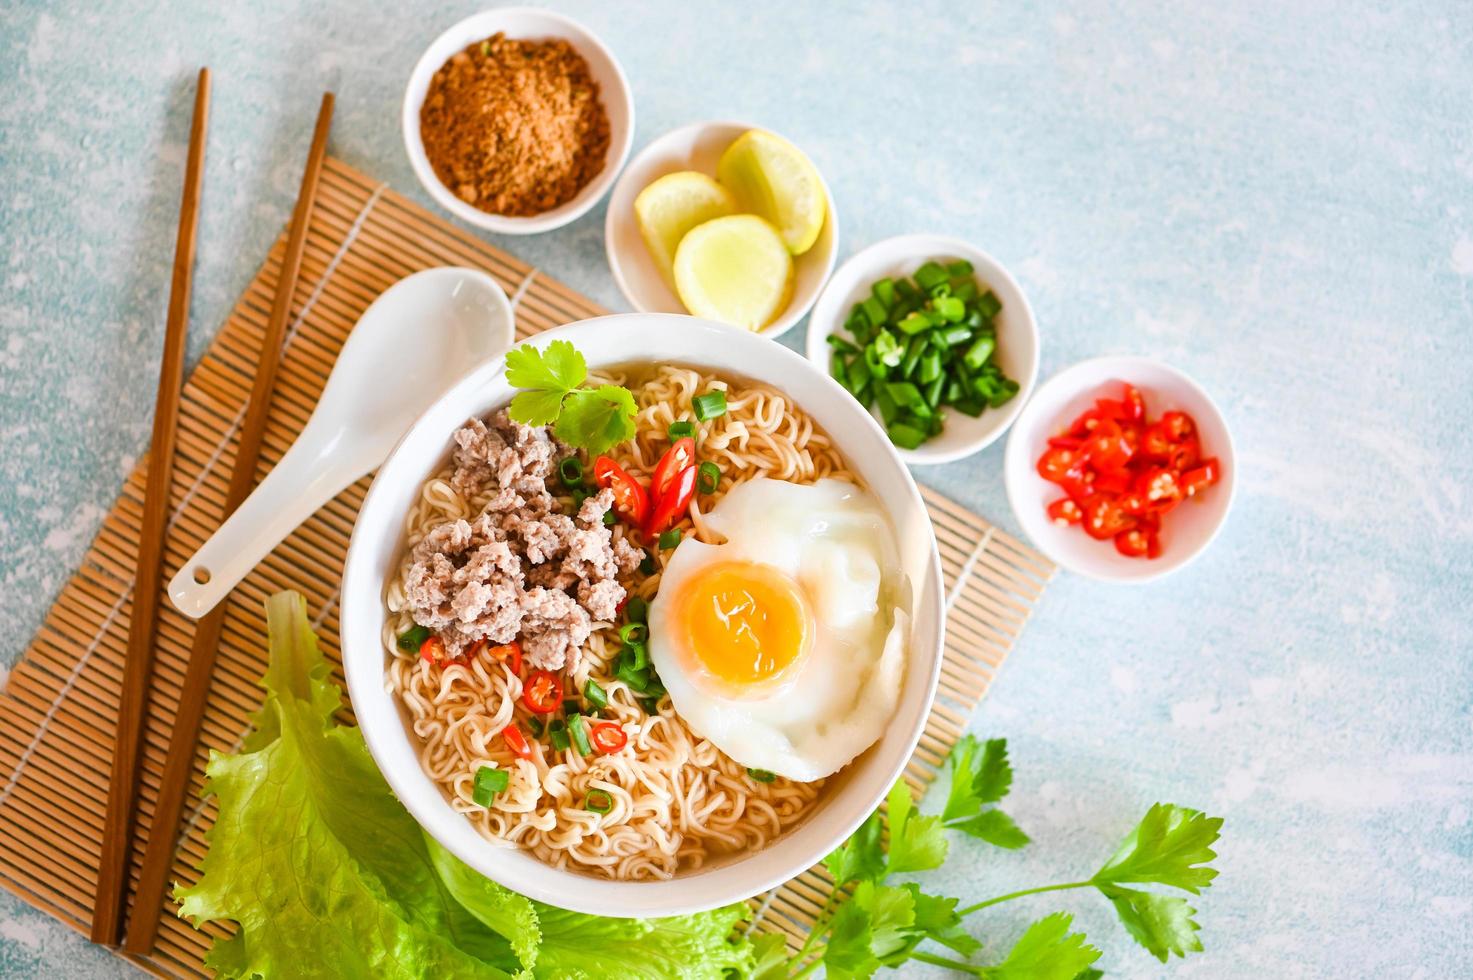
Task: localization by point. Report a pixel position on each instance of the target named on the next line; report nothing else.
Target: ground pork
(521, 569)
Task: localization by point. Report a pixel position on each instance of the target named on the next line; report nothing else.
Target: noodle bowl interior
(617, 772)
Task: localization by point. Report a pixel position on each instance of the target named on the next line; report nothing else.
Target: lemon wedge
(774, 179)
(673, 205)
(734, 269)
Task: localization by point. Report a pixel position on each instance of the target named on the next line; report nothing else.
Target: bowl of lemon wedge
(725, 221)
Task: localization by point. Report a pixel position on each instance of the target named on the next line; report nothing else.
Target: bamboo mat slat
(58, 710)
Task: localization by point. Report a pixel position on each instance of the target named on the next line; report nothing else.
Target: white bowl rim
(921, 243)
(1120, 366)
(593, 895)
(794, 313)
(566, 213)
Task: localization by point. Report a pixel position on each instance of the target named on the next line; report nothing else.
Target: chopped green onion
(651, 706)
(535, 724)
(979, 352)
(708, 477)
(609, 518)
(709, 406)
(989, 305)
(639, 654)
(636, 610)
(413, 638)
(840, 345)
(874, 311)
(683, 429)
(905, 436)
(930, 367)
(580, 494)
(964, 289)
(929, 276)
(580, 735)
(884, 291)
(761, 775)
(959, 267)
(888, 351)
(599, 801)
(951, 308)
(488, 782)
(914, 323)
(570, 471)
(571, 706)
(670, 539)
(557, 731)
(889, 411)
(633, 632)
(595, 694)
(647, 564)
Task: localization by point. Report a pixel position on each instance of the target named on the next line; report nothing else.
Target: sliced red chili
(679, 456)
(1135, 405)
(671, 506)
(543, 692)
(1138, 542)
(608, 737)
(1160, 489)
(631, 501)
(1156, 442)
(1178, 425)
(1058, 463)
(432, 650)
(516, 741)
(509, 654)
(1065, 511)
(1109, 408)
(1085, 424)
(1199, 478)
(1104, 517)
(1066, 442)
(1112, 481)
(1106, 447)
(1184, 455)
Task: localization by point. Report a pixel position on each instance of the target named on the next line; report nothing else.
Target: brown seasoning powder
(515, 127)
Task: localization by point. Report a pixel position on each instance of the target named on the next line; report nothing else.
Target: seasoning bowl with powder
(517, 120)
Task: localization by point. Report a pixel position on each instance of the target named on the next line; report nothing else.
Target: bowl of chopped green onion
(934, 338)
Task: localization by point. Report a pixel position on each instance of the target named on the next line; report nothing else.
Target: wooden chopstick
(158, 857)
(117, 829)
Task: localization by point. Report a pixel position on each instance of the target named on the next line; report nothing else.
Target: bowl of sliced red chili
(1121, 469)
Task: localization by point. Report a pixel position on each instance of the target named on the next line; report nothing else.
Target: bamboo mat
(57, 712)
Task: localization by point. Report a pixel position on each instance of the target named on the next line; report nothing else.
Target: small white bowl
(523, 22)
(1017, 332)
(1186, 531)
(848, 797)
(698, 147)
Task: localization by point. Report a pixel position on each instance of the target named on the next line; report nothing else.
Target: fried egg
(785, 645)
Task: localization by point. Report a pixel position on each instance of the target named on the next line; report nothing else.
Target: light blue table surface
(1276, 197)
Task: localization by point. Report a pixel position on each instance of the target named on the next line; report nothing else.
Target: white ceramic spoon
(420, 336)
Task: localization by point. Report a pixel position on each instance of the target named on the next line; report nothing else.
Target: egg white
(833, 540)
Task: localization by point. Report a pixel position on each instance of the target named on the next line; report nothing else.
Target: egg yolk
(746, 623)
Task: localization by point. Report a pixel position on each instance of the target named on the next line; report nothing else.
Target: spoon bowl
(413, 343)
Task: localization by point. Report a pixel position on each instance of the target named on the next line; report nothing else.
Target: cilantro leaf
(891, 916)
(862, 856)
(995, 827)
(558, 368)
(1161, 923)
(597, 418)
(848, 952)
(936, 918)
(917, 842)
(1047, 951)
(977, 779)
(1168, 847)
(536, 406)
(769, 957)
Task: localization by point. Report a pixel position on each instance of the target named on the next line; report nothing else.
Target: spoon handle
(320, 464)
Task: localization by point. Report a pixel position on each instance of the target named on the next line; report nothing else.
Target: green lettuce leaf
(327, 875)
